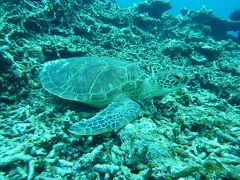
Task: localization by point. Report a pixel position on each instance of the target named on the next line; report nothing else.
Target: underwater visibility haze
(220, 8)
(90, 89)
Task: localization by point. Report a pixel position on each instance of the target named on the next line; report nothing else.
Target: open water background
(221, 8)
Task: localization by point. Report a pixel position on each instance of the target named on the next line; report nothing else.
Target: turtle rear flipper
(116, 115)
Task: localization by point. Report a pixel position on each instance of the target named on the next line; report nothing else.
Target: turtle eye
(177, 77)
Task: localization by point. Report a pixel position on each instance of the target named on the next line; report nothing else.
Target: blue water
(221, 8)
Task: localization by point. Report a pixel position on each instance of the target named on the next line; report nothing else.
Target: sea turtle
(106, 82)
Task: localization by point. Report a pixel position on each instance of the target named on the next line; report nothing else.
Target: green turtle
(108, 83)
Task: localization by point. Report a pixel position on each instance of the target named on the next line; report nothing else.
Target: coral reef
(190, 134)
(153, 8)
(235, 15)
(219, 27)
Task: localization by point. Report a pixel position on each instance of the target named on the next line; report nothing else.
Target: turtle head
(161, 83)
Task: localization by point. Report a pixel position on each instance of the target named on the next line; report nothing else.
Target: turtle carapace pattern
(112, 84)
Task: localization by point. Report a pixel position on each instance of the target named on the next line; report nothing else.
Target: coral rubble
(193, 133)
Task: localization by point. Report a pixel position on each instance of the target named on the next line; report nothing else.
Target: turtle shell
(96, 81)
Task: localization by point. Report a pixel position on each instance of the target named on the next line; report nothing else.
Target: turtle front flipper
(115, 116)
